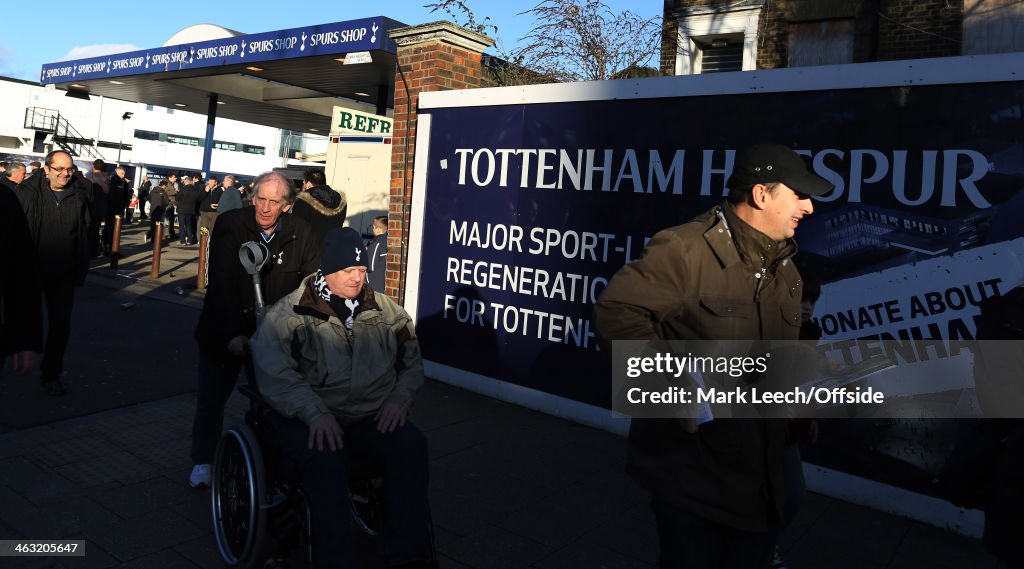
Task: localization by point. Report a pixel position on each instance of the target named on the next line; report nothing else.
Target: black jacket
(21, 325)
(119, 196)
(208, 199)
(59, 230)
(230, 306)
(323, 208)
(188, 200)
(99, 193)
(7, 182)
(158, 198)
(378, 250)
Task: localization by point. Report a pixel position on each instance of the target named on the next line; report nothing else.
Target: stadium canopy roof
(287, 79)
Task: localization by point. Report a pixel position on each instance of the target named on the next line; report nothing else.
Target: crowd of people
(69, 219)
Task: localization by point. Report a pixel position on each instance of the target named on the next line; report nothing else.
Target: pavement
(510, 487)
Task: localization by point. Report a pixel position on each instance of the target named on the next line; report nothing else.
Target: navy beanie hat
(343, 248)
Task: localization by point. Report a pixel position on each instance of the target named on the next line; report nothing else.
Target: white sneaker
(200, 476)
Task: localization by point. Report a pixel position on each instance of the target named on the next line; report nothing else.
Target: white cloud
(87, 51)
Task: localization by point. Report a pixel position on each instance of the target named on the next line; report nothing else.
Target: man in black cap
(717, 488)
(340, 363)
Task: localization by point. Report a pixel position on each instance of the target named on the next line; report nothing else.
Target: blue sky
(73, 30)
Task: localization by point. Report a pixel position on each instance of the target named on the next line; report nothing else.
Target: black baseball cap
(769, 163)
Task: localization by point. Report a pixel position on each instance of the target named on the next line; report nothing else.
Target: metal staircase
(65, 136)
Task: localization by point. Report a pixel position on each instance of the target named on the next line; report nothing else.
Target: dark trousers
(687, 541)
(186, 223)
(217, 377)
(169, 216)
(59, 294)
(156, 215)
(403, 454)
(95, 228)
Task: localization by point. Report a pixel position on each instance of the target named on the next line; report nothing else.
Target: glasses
(62, 170)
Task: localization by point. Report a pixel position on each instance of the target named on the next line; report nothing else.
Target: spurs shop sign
(326, 39)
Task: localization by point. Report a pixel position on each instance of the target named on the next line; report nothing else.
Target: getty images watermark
(870, 378)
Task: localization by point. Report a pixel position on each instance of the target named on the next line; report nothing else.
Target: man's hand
(23, 362)
(390, 416)
(326, 429)
(238, 345)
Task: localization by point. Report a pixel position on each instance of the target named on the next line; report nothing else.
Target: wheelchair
(260, 515)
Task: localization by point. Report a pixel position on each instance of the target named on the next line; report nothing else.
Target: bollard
(158, 236)
(204, 240)
(115, 245)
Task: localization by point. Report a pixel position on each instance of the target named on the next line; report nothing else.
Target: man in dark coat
(119, 190)
(57, 211)
(378, 250)
(323, 207)
(188, 207)
(209, 200)
(144, 188)
(14, 175)
(21, 320)
(228, 318)
(717, 488)
(157, 203)
(98, 204)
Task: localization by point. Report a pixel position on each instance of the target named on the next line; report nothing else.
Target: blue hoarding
(530, 208)
(325, 39)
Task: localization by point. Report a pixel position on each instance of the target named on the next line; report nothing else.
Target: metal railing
(64, 134)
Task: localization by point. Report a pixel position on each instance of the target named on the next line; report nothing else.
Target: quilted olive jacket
(714, 278)
(307, 365)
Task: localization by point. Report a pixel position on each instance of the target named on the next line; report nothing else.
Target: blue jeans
(403, 455)
(217, 377)
(691, 542)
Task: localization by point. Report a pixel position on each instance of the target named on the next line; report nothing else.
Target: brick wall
(773, 36)
(883, 29)
(909, 29)
(432, 59)
(669, 41)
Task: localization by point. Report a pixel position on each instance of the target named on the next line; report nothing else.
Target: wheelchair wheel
(238, 499)
(367, 505)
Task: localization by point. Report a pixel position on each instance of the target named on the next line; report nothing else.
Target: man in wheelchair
(340, 364)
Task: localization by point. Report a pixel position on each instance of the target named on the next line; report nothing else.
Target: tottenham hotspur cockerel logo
(358, 252)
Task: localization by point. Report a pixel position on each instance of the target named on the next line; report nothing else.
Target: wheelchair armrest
(253, 394)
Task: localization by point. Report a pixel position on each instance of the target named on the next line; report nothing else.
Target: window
(292, 142)
(170, 111)
(721, 55)
(820, 43)
(147, 135)
(250, 149)
(186, 140)
(712, 38)
(149, 107)
(993, 26)
(220, 145)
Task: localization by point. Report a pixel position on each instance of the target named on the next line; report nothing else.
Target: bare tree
(573, 40)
